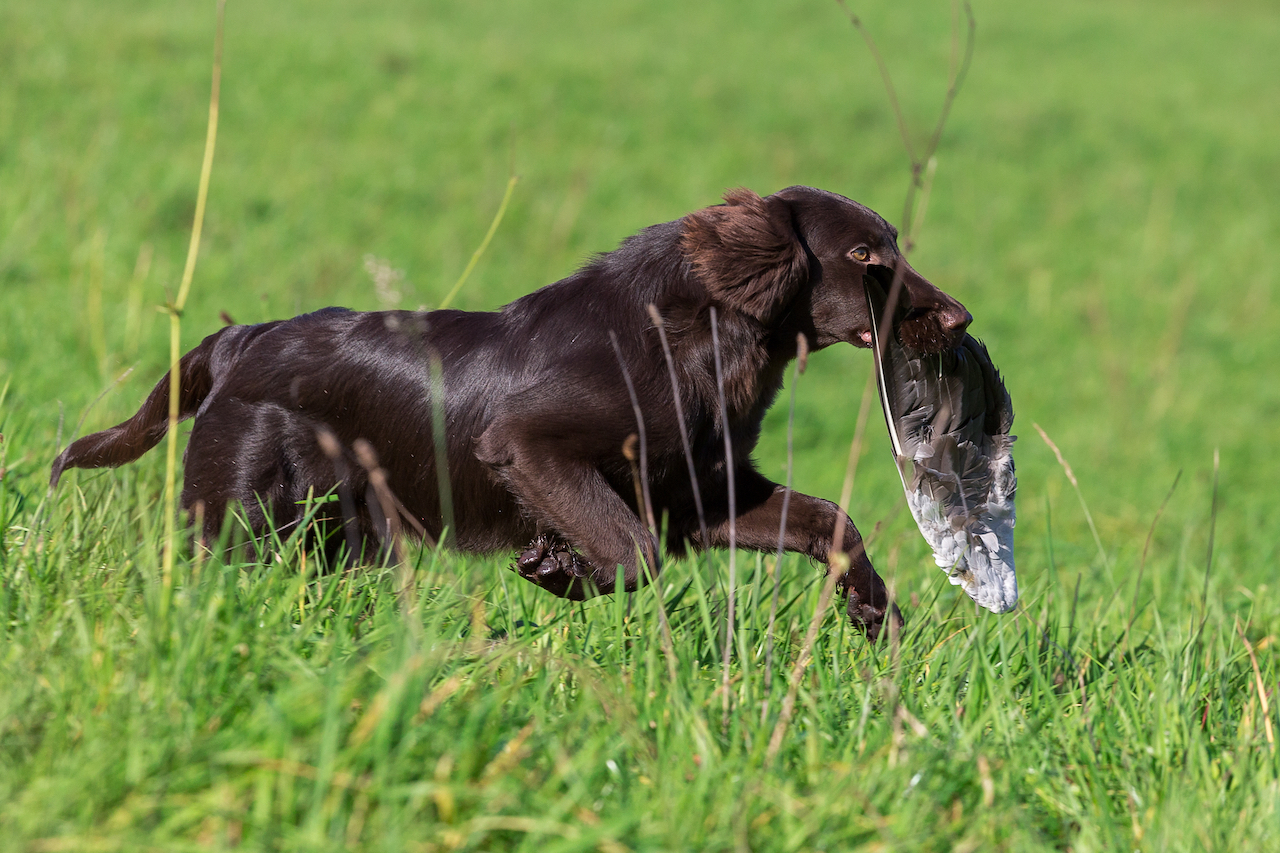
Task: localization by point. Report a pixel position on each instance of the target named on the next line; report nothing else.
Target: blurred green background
(1105, 204)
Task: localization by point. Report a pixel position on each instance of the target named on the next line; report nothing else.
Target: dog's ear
(747, 252)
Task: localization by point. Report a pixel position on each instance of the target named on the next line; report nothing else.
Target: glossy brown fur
(536, 410)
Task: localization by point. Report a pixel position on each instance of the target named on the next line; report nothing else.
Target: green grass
(1104, 205)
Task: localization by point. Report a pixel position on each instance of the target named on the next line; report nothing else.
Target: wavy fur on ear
(747, 252)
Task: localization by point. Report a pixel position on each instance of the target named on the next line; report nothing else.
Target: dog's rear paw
(552, 564)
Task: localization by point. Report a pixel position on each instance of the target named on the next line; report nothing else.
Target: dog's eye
(860, 254)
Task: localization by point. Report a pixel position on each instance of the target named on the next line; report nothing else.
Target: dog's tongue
(866, 337)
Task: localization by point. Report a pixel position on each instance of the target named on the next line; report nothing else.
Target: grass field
(1104, 204)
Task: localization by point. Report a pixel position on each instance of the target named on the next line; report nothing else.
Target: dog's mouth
(934, 326)
(920, 332)
(926, 334)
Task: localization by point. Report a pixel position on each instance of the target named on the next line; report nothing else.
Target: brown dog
(536, 404)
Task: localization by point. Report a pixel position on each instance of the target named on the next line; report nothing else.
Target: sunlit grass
(447, 703)
(1102, 205)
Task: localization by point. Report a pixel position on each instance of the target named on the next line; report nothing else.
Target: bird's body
(949, 417)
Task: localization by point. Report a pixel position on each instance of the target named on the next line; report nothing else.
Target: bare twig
(332, 450)
(1142, 564)
(368, 459)
(802, 360)
(1071, 477)
(1262, 689)
(956, 77)
(392, 510)
(838, 563)
(923, 167)
(733, 514)
(640, 474)
(684, 429)
(646, 505)
(885, 77)
(1208, 563)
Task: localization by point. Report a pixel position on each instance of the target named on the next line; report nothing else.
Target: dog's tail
(127, 441)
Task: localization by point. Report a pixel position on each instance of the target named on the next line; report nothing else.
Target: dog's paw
(552, 564)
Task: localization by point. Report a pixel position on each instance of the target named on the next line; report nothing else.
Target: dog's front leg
(815, 527)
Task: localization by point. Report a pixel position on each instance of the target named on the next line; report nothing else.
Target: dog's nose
(956, 319)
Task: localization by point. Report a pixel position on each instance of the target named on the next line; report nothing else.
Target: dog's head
(797, 258)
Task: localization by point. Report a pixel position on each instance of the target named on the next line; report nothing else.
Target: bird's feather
(949, 417)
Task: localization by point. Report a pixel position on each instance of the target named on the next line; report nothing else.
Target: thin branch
(838, 562)
(332, 449)
(1213, 526)
(368, 459)
(958, 76)
(1142, 564)
(802, 359)
(733, 514)
(647, 504)
(680, 420)
(887, 79)
(1088, 516)
(921, 168)
(640, 473)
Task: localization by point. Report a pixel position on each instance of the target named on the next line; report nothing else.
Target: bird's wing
(949, 417)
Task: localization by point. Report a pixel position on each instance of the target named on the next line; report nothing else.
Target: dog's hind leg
(590, 531)
(269, 461)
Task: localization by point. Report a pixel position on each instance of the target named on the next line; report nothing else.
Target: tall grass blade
(175, 319)
(484, 244)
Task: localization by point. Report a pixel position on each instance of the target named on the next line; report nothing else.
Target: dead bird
(949, 417)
